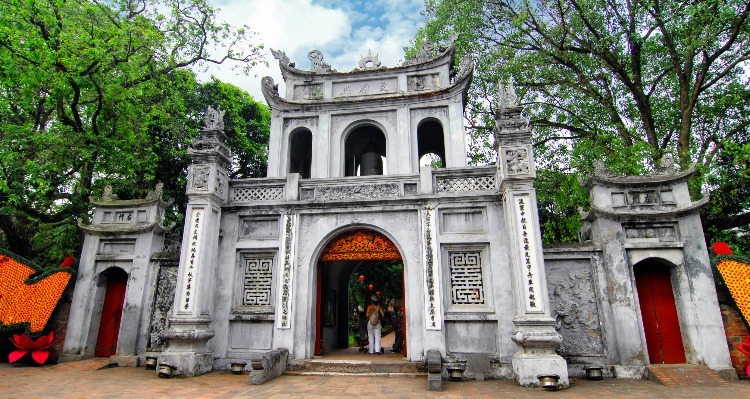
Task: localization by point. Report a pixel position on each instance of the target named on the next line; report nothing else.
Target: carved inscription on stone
(162, 306)
(528, 251)
(575, 310)
(365, 87)
(284, 319)
(432, 280)
(195, 230)
(360, 191)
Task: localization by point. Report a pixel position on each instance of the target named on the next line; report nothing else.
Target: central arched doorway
(340, 292)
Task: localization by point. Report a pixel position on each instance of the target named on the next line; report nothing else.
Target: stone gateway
(262, 271)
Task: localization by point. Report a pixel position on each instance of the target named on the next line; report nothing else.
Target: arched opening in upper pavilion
(365, 151)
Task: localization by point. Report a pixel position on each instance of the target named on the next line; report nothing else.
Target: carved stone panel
(308, 92)
(358, 191)
(574, 307)
(423, 82)
(662, 232)
(162, 306)
(264, 228)
(199, 181)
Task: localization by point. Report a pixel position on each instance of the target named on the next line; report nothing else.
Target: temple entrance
(354, 267)
(109, 325)
(659, 313)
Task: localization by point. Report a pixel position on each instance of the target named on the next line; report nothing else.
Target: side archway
(116, 281)
(661, 324)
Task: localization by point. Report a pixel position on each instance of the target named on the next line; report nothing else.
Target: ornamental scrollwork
(517, 161)
(200, 178)
(361, 245)
(214, 119)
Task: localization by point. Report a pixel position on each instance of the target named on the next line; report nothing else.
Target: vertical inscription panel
(193, 251)
(528, 252)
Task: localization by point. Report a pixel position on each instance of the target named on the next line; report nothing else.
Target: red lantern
(361, 278)
(370, 287)
(377, 293)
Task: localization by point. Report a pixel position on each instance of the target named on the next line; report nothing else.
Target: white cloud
(343, 34)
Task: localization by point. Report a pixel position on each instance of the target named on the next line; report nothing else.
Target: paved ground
(81, 380)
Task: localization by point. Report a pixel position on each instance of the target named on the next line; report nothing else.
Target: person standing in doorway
(374, 314)
(397, 330)
(362, 323)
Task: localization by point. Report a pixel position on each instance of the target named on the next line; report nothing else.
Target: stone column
(535, 332)
(207, 189)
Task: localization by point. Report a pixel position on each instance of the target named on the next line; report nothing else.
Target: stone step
(356, 367)
(340, 374)
(683, 375)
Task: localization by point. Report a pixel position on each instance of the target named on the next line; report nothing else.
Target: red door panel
(659, 314)
(109, 326)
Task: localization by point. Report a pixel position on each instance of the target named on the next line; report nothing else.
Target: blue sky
(344, 30)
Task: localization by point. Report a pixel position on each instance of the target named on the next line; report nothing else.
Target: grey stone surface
(480, 289)
(268, 366)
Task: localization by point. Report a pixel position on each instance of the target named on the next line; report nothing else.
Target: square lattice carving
(258, 279)
(467, 287)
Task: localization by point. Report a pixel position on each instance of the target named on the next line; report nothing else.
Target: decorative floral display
(39, 348)
(721, 248)
(29, 301)
(736, 276)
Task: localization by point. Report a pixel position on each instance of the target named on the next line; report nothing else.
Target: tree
(91, 92)
(623, 81)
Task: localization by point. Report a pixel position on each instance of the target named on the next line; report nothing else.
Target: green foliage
(619, 81)
(93, 94)
(385, 276)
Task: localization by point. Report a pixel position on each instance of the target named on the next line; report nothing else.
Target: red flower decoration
(721, 248)
(39, 349)
(370, 287)
(744, 347)
(68, 262)
(361, 278)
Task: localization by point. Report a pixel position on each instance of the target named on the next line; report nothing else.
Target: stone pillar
(207, 189)
(535, 332)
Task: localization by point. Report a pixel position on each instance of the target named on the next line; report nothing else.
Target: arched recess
(116, 281)
(431, 140)
(367, 142)
(300, 152)
(340, 257)
(661, 324)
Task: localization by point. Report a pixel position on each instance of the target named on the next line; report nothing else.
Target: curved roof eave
(275, 101)
(287, 70)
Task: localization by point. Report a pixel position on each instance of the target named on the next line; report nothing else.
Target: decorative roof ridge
(321, 68)
(270, 90)
(110, 199)
(666, 173)
(628, 214)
